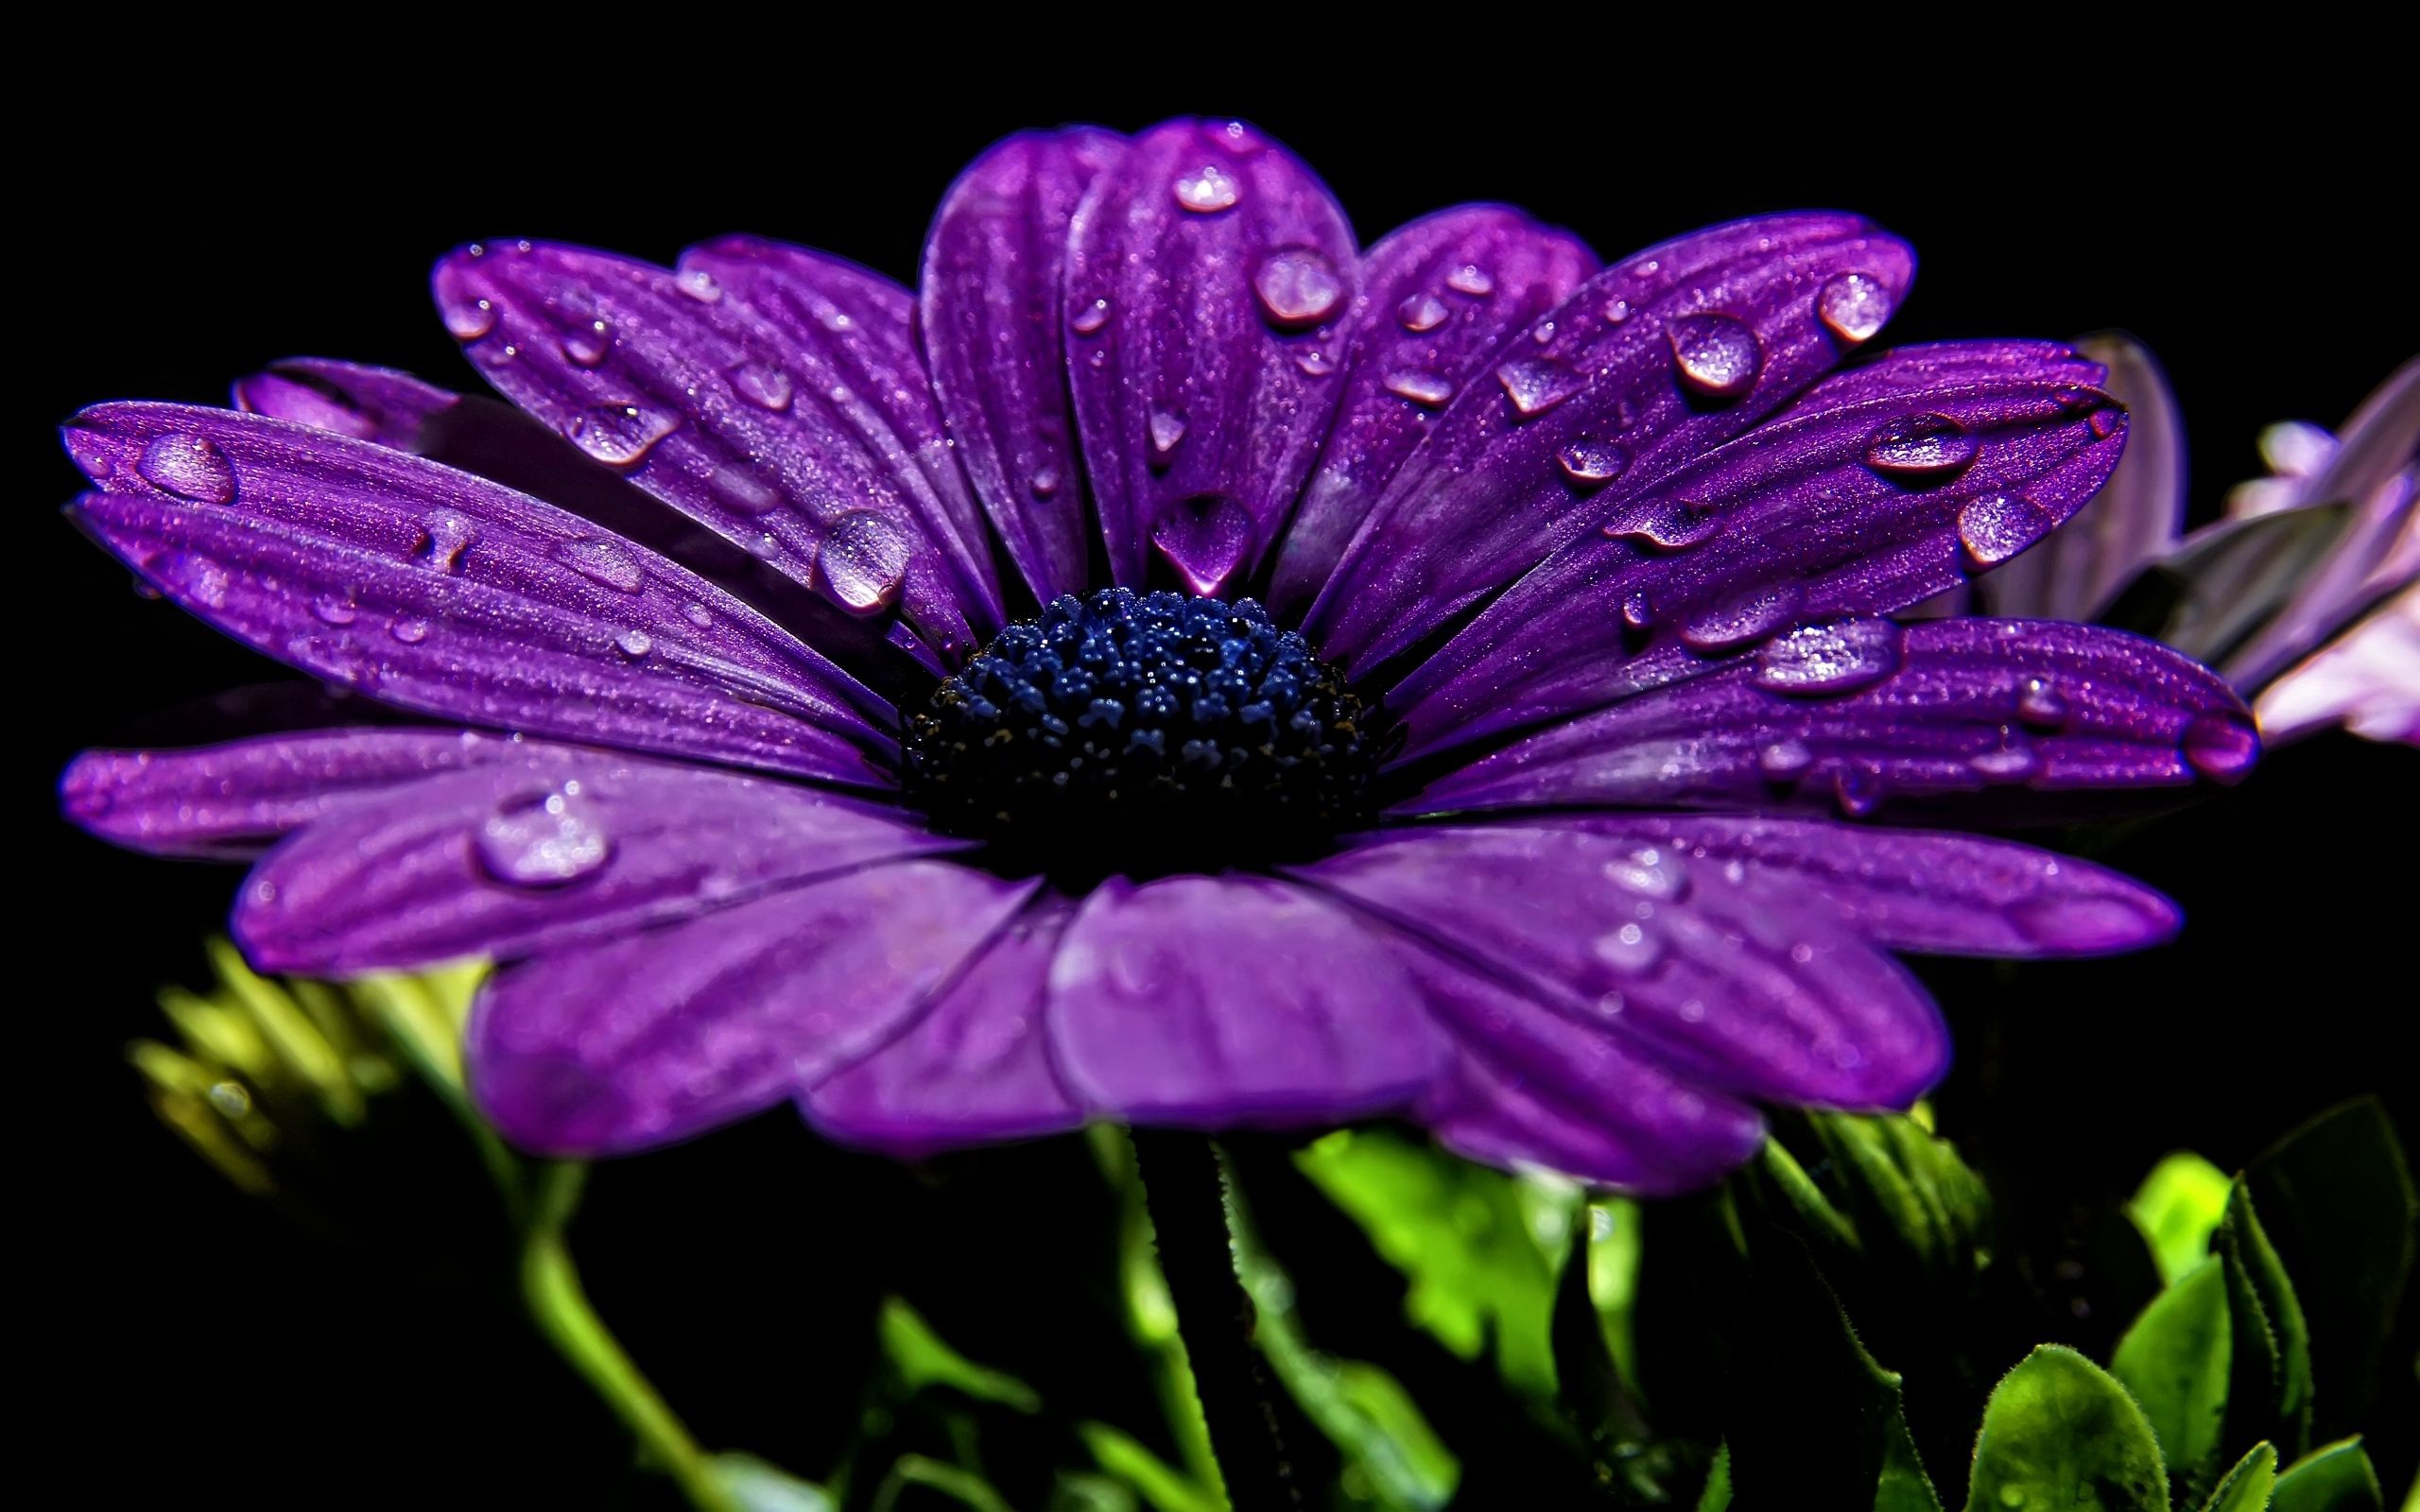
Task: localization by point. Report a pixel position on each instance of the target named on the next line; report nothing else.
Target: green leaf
(2270, 1391)
(1859, 1183)
(2175, 1359)
(1479, 1248)
(2336, 1199)
(2247, 1487)
(2060, 1433)
(2178, 1208)
(2332, 1478)
(754, 1486)
(1161, 1485)
(1716, 1496)
(2212, 593)
(923, 1359)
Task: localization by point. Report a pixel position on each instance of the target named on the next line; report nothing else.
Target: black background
(204, 219)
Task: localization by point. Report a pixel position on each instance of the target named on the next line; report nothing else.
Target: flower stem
(550, 1286)
(1187, 1194)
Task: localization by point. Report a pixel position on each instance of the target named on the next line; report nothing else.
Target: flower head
(1175, 666)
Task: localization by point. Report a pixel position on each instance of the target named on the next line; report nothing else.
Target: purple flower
(1517, 811)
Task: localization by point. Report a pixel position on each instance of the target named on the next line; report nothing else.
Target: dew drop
(2221, 747)
(620, 435)
(1535, 385)
(1472, 279)
(1089, 317)
(1421, 312)
(1638, 610)
(700, 616)
(1859, 789)
(2106, 423)
(1996, 526)
(698, 284)
(1668, 524)
(544, 843)
(468, 319)
(1592, 462)
(1648, 874)
(1543, 332)
(604, 561)
(1166, 428)
(1618, 312)
(1815, 660)
(1207, 189)
(1787, 760)
(334, 609)
(1853, 306)
(444, 535)
(410, 631)
(1420, 387)
(2013, 761)
(741, 488)
(2039, 704)
(587, 346)
(634, 643)
(1739, 620)
(762, 385)
(188, 466)
(1715, 355)
(1298, 286)
(1045, 482)
(864, 560)
(1920, 446)
(1314, 362)
(1631, 948)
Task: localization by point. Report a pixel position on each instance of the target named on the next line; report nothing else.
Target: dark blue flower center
(1144, 733)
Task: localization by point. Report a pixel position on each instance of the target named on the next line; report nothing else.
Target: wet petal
(1979, 716)
(1204, 389)
(1879, 487)
(1213, 1000)
(1747, 989)
(1439, 298)
(514, 859)
(995, 337)
(1660, 357)
(819, 450)
(368, 403)
(438, 591)
(654, 1037)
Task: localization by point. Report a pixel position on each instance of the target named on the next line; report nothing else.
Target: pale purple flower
(1519, 813)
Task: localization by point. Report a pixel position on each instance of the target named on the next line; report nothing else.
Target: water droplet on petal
(1205, 539)
(1630, 948)
(2221, 747)
(1853, 306)
(1648, 874)
(1996, 526)
(1920, 446)
(1715, 355)
(864, 560)
(444, 535)
(1207, 189)
(466, 319)
(2106, 423)
(1536, 385)
(1668, 524)
(410, 631)
(1618, 312)
(634, 643)
(1314, 362)
(1168, 428)
(1786, 759)
(1089, 316)
(1421, 387)
(190, 467)
(1234, 137)
(698, 284)
(1816, 661)
(2013, 761)
(742, 489)
(1859, 789)
(1638, 610)
(700, 616)
(1592, 462)
(2039, 704)
(1045, 482)
(1472, 279)
(762, 385)
(1423, 312)
(334, 609)
(587, 346)
(1750, 616)
(620, 435)
(1298, 286)
(604, 561)
(546, 842)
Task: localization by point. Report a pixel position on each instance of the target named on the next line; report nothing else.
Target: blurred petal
(2128, 525)
(508, 861)
(1214, 1000)
(1857, 712)
(1879, 487)
(995, 323)
(1438, 300)
(654, 1037)
(2368, 681)
(1208, 278)
(367, 403)
(438, 591)
(1651, 363)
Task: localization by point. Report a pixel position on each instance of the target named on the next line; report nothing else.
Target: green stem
(550, 1285)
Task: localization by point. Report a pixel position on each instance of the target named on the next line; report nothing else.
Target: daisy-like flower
(1174, 666)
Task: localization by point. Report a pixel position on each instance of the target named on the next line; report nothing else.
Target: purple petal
(2131, 523)
(808, 449)
(368, 403)
(1879, 488)
(1208, 278)
(438, 591)
(1855, 713)
(1438, 298)
(1915, 889)
(1532, 1086)
(230, 800)
(1214, 1000)
(975, 1066)
(2368, 681)
(994, 329)
(650, 1038)
(511, 860)
(1653, 362)
(1745, 988)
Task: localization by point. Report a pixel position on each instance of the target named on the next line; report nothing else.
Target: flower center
(1144, 733)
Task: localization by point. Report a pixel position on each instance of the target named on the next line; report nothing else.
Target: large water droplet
(1786, 759)
(864, 560)
(1045, 482)
(190, 467)
(1207, 189)
(466, 319)
(620, 435)
(1472, 279)
(1205, 539)
(634, 643)
(1424, 388)
(543, 842)
(410, 631)
(1815, 660)
(1638, 610)
(1920, 446)
(1668, 524)
(1298, 286)
(1631, 948)
(762, 385)
(1421, 312)
(333, 607)
(2223, 747)
(1715, 355)
(587, 347)
(1535, 384)
(1748, 617)
(2039, 704)
(2012, 761)
(604, 561)
(1859, 789)
(1590, 463)
(698, 284)
(1853, 306)
(444, 535)
(1996, 526)
(1088, 317)
(1166, 428)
